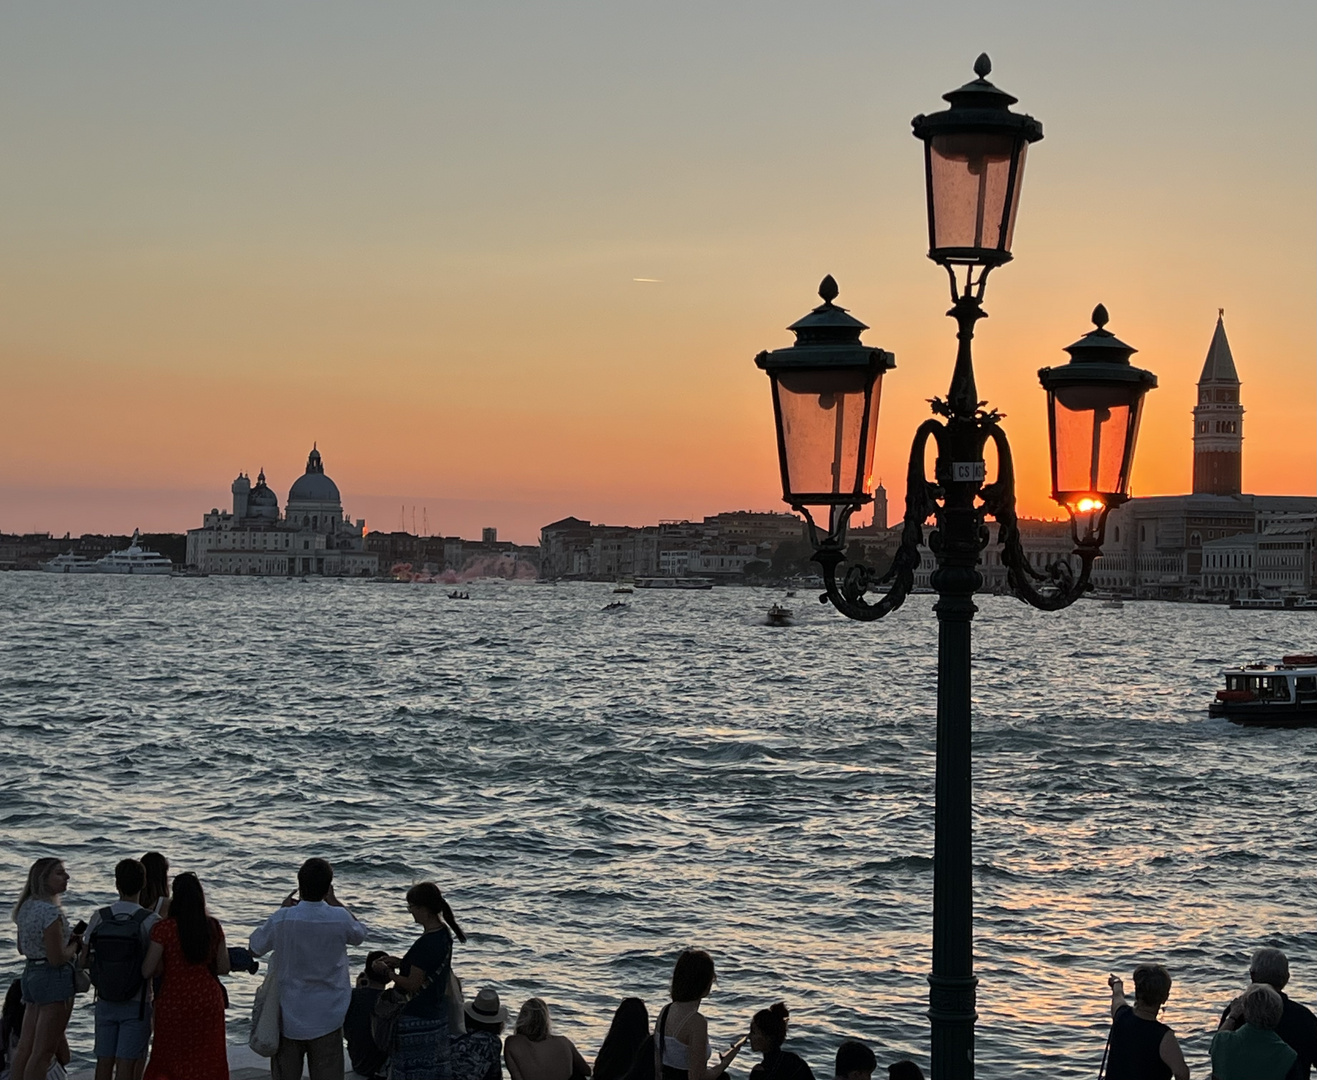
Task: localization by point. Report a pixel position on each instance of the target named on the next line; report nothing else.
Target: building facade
(312, 536)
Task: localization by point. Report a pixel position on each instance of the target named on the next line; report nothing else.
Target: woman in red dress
(188, 950)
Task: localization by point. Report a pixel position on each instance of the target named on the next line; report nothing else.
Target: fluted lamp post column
(825, 400)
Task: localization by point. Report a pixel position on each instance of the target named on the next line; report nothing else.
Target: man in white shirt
(310, 936)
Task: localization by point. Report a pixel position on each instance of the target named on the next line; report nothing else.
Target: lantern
(826, 389)
(974, 166)
(1093, 408)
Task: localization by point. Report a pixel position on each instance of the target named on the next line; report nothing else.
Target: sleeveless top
(674, 1056)
(1136, 1048)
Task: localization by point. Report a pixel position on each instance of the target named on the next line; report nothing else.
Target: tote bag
(264, 1038)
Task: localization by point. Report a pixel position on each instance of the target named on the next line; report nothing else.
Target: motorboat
(780, 616)
(68, 563)
(1270, 695)
(134, 559)
(616, 605)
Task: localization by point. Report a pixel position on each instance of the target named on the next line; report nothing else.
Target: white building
(313, 536)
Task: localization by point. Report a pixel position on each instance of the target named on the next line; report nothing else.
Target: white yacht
(68, 563)
(134, 560)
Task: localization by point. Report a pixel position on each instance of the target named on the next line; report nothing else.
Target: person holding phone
(681, 1035)
(310, 934)
(50, 948)
(1141, 1045)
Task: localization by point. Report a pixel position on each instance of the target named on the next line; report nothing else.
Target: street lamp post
(826, 390)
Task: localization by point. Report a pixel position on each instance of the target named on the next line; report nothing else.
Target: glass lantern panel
(1091, 437)
(828, 450)
(969, 174)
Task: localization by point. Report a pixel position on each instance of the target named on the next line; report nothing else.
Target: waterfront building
(312, 536)
(720, 547)
(1207, 544)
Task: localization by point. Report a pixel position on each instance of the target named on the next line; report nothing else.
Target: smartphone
(80, 929)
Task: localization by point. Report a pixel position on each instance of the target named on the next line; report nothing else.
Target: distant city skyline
(513, 261)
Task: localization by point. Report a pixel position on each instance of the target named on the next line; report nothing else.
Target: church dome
(262, 502)
(314, 485)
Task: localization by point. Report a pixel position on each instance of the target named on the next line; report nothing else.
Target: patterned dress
(189, 1014)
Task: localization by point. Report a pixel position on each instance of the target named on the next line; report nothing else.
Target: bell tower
(1218, 421)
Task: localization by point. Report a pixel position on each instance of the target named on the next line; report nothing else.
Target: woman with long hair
(534, 1052)
(681, 1033)
(155, 893)
(188, 950)
(421, 1043)
(768, 1031)
(626, 1035)
(47, 979)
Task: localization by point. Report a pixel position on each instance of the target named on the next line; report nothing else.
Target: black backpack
(117, 952)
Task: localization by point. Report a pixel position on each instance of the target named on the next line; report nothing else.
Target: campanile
(1218, 421)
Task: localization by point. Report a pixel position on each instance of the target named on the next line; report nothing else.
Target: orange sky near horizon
(414, 237)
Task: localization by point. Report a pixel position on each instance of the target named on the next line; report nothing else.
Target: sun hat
(484, 1008)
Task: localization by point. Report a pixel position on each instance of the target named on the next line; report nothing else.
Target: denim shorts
(44, 984)
(120, 1033)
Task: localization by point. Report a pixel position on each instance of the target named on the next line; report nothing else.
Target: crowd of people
(1262, 1035)
(155, 954)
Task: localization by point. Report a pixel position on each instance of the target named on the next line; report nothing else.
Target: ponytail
(427, 895)
(451, 920)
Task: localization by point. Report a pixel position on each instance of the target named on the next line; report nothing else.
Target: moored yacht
(134, 559)
(68, 563)
(1270, 695)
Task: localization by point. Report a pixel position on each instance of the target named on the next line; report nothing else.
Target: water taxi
(673, 583)
(1270, 695)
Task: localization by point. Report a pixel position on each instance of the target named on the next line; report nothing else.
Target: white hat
(484, 1008)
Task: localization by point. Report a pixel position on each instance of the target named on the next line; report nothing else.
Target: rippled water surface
(595, 791)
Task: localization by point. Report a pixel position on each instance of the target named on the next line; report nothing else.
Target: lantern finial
(983, 66)
(828, 289)
(1100, 316)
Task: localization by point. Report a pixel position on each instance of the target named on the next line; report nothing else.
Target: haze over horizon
(513, 262)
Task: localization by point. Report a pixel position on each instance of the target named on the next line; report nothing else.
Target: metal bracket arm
(1060, 587)
(847, 596)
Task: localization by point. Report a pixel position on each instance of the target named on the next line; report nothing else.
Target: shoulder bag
(388, 1009)
(264, 1038)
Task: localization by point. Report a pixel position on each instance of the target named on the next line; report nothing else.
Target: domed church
(313, 536)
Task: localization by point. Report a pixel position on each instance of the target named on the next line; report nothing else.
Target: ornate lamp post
(825, 397)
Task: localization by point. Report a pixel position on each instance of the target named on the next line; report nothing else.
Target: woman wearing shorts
(47, 980)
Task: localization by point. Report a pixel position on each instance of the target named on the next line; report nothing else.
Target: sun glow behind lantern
(1093, 404)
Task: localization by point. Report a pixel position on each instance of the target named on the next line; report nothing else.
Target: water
(594, 791)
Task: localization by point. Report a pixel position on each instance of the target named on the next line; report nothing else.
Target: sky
(509, 261)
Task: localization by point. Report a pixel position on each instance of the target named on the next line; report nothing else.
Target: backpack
(117, 952)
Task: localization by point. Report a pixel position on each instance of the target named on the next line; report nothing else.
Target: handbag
(81, 979)
(264, 1038)
(388, 1009)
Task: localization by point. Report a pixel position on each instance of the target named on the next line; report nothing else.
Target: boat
(1113, 602)
(68, 563)
(1270, 695)
(780, 616)
(673, 583)
(455, 595)
(1274, 603)
(626, 590)
(134, 559)
(616, 605)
